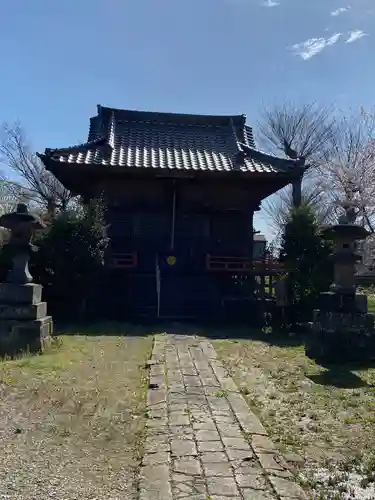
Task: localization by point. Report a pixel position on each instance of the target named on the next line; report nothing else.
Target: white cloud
(270, 3)
(355, 35)
(339, 11)
(313, 46)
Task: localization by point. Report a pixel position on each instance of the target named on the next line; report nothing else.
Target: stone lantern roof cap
(350, 231)
(20, 216)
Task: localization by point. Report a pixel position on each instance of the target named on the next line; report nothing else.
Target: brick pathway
(203, 442)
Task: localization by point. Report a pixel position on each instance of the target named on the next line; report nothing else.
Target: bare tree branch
(340, 149)
(37, 183)
(349, 170)
(277, 208)
(306, 130)
(8, 202)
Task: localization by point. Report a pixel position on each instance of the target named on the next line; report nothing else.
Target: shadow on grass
(278, 339)
(102, 328)
(210, 330)
(343, 376)
(340, 378)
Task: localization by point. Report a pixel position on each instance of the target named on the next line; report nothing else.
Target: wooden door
(181, 267)
(172, 286)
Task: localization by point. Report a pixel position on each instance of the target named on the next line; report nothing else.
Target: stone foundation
(341, 337)
(24, 323)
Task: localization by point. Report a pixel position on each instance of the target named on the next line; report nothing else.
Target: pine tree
(306, 256)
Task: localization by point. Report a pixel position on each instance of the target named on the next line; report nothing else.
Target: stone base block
(361, 302)
(340, 302)
(336, 337)
(32, 336)
(21, 312)
(336, 321)
(11, 293)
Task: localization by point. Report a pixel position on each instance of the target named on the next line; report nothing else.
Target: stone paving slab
(203, 441)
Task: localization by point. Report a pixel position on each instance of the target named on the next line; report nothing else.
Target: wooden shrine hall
(181, 191)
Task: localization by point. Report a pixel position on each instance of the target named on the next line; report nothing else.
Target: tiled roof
(169, 141)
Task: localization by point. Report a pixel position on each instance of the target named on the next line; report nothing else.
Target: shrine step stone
(203, 441)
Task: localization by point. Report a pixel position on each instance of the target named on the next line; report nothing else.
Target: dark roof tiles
(169, 141)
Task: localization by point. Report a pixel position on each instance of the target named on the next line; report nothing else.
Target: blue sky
(60, 59)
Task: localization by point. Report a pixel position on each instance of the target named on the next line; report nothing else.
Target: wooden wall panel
(135, 193)
(214, 195)
(210, 216)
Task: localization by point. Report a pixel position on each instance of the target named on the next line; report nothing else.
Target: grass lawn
(72, 419)
(327, 416)
(371, 303)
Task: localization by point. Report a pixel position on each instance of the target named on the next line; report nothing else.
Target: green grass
(78, 412)
(371, 303)
(327, 416)
(370, 292)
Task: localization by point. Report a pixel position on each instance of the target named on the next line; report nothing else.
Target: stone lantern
(344, 236)
(24, 324)
(342, 330)
(22, 226)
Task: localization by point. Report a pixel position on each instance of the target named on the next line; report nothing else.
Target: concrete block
(11, 293)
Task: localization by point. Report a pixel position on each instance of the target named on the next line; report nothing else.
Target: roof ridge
(172, 116)
(171, 141)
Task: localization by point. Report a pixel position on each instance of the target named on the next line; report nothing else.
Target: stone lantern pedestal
(342, 330)
(24, 323)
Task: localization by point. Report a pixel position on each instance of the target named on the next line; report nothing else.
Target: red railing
(214, 263)
(241, 264)
(272, 265)
(124, 260)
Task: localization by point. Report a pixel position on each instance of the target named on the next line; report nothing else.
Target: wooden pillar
(297, 191)
(250, 234)
(253, 207)
(173, 216)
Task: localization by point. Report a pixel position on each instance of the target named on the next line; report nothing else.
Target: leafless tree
(349, 170)
(299, 132)
(277, 208)
(343, 169)
(36, 183)
(8, 196)
(8, 202)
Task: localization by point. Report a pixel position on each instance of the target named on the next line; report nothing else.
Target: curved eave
(55, 165)
(283, 165)
(80, 178)
(96, 143)
(66, 176)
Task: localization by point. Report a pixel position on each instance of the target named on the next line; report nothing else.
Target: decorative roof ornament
(292, 154)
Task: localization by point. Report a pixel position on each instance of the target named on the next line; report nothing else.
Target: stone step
(21, 312)
(11, 293)
(22, 336)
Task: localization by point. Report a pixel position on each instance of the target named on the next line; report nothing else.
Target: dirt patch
(72, 420)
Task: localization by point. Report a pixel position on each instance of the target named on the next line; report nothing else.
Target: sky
(60, 59)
